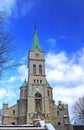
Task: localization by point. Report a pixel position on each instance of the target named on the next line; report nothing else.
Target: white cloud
(24, 60)
(12, 79)
(68, 95)
(16, 8)
(7, 92)
(66, 75)
(23, 72)
(10, 93)
(7, 5)
(22, 8)
(2, 93)
(52, 41)
(20, 76)
(53, 60)
(59, 66)
(26, 7)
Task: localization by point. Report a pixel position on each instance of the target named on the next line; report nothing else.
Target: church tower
(36, 96)
(38, 105)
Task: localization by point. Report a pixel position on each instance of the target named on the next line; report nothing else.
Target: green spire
(25, 83)
(35, 43)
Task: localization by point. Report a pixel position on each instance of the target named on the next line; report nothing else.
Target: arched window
(40, 81)
(34, 81)
(25, 93)
(21, 93)
(48, 92)
(38, 102)
(34, 69)
(58, 113)
(40, 69)
(13, 112)
(51, 92)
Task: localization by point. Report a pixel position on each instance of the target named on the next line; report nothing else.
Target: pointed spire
(35, 43)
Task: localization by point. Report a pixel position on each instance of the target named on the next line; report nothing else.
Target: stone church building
(36, 96)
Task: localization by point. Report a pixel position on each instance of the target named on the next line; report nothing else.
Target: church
(36, 96)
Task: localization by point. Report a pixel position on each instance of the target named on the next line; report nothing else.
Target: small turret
(5, 105)
(24, 84)
(49, 90)
(23, 89)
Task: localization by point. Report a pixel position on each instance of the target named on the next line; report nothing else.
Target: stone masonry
(36, 96)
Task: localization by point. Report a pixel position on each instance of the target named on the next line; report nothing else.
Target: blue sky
(60, 27)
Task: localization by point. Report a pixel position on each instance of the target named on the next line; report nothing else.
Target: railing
(10, 127)
(42, 126)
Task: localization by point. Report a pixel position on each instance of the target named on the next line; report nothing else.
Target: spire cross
(34, 27)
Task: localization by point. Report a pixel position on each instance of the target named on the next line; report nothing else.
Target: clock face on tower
(36, 55)
(60, 107)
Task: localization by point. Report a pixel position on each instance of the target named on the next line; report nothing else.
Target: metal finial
(34, 27)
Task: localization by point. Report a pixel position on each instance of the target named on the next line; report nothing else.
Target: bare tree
(78, 111)
(6, 46)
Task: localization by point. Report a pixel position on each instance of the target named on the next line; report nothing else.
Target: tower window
(40, 81)
(13, 112)
(48, 93)
(38, 102)
(40, 69)
(34, 81)
(34, 69)
(25, 92)
(51, 92)
(21, 93)
(58, 113)
(37, 81)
